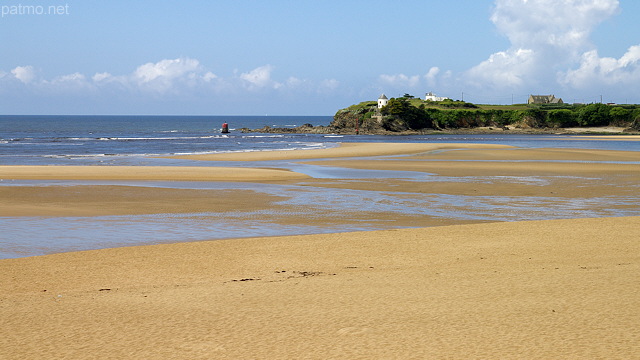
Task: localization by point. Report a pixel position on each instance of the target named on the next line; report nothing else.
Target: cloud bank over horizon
(164, 76)
(165, 79)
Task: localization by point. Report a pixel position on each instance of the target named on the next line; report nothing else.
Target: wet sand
(100, 200)
(343, 151)
(533, 289)
(145, 173)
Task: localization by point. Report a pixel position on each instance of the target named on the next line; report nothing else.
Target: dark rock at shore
(310, 129)
(304, 129)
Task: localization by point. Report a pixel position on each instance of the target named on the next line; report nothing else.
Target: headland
(408, 115)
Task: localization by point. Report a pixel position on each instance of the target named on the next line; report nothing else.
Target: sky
(309, 57)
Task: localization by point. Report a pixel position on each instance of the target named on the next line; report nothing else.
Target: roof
(544, 99)
(383, 96)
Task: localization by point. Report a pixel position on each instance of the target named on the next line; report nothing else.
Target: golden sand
(93, 200)
(543, 289)
(168, 173)
(344, 150)
(538, 289)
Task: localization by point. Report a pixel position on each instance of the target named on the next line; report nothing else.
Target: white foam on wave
(155, 138)
(262, 136)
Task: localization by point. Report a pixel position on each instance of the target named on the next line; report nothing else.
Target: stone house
(544, 99)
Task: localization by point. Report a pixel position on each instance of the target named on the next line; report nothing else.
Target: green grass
(417, 102)
(504, 107)
(362, 105)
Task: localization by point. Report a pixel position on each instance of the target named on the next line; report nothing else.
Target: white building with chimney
(432, 97)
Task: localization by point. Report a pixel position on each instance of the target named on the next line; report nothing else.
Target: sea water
(132, 140)
(68, 140)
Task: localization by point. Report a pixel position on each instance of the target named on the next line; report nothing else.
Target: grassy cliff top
(444, 105)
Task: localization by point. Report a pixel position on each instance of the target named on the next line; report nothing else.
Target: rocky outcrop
(304, 129)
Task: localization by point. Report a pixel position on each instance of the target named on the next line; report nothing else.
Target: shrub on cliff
(456, 104)
(357, 116)
(594, 115)
(561, 118)
(400, 114)
(620, 116)
(635, 123)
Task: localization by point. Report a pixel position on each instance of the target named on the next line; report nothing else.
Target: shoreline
(486, 130)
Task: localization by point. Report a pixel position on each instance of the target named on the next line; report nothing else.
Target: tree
(395, 107)
(594, 115)
(561, 118)
(619, 115)
(534, 117)
(403, 114)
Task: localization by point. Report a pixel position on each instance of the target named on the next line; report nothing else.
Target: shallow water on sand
(320, 210)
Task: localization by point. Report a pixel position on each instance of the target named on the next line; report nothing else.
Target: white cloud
(181, 83)
(104, 76)
(260, 77)
(163, 75)
(70, 78)
(209, 76)
(400, 80)
(329, 84)
(507, 69)
(70, 83)
(296, 85)
(547, 37)
(181, 77)
(294, 82)
(431, 76)
(167, 69)
(558, 23)
(606, 71)
(26, 74)
(433, 80)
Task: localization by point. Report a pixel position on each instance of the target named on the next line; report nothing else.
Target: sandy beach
(447, 288)
(146, 173)
(343, 151)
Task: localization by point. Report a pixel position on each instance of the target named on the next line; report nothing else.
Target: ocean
(140, 140)
(132, 140)
(68, 140)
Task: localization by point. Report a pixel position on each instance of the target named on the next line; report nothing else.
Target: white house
(382, 101)
(431, 96)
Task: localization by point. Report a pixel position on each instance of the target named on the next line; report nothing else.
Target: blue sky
(302, 57)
